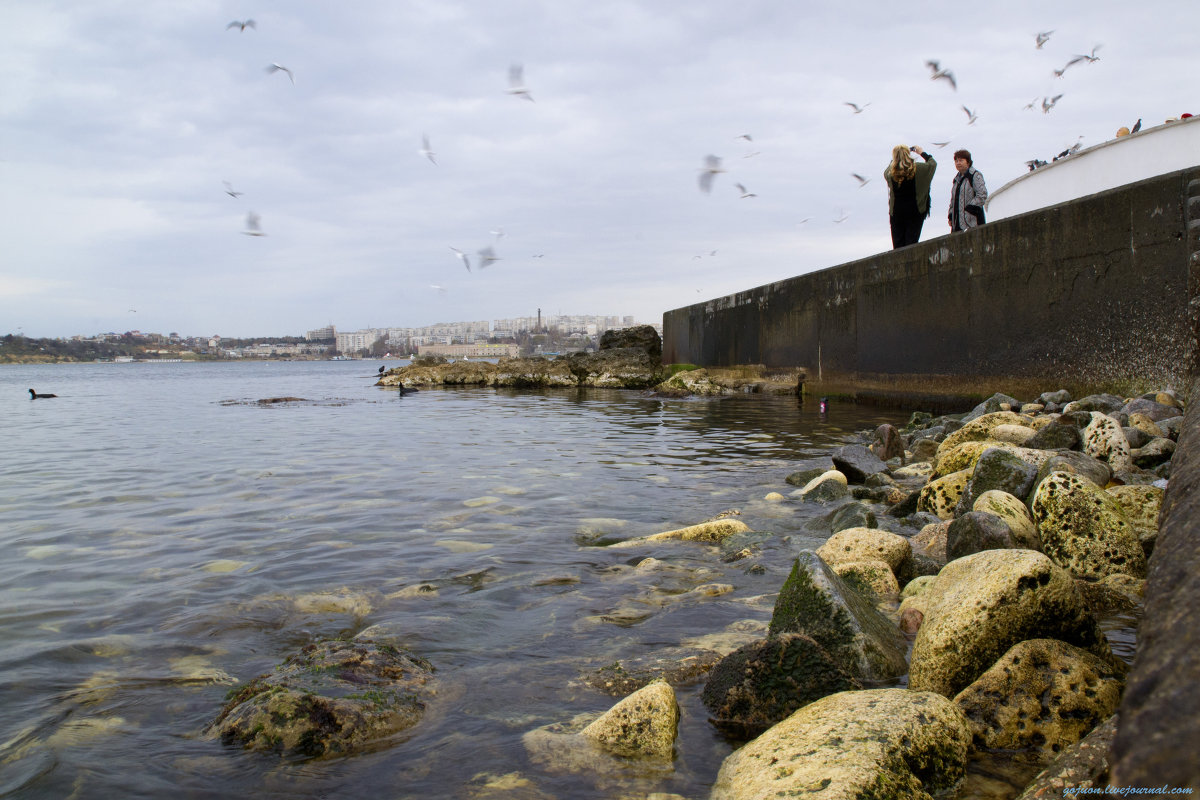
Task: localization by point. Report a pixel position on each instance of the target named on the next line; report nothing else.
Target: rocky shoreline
(892, 658)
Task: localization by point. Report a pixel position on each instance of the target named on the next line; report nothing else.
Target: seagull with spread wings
(237, 23)
(280, 68)
(516, 82)
(941, 74)
(712, 166)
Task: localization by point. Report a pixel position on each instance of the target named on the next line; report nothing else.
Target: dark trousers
(906, 231)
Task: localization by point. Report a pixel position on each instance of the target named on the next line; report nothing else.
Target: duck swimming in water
(404, 389)
(35, 396)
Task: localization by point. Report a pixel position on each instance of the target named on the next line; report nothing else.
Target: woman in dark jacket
(908, 193)
(967, 195)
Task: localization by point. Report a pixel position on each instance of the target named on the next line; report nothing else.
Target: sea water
(167, 537)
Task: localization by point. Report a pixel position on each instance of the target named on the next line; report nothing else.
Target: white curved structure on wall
(1149, 152)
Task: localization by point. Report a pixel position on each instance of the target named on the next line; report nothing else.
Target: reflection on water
(168, 537)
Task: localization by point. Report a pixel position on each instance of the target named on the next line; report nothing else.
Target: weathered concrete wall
(1091, 295)
(1158, 732)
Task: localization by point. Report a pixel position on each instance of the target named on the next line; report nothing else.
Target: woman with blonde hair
(908, 185)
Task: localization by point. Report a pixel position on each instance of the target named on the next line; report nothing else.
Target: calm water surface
(166, 537)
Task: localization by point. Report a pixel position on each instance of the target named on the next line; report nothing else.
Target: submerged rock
(330, 699)
(878, 743)
(763, 682)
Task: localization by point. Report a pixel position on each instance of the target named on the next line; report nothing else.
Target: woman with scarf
(908, 193)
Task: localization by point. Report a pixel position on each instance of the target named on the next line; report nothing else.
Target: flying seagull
(861, 180)
(941, 74)
(463, 258)
(842, 216)
(1048, 103)
(487, 257)
(280, 68)
(742, 191)
(237, 23)
(857, 108)
(971, 115)
(1042, 38)
(516, 82)
(940, 145)
(712, 165)
(426, 151)
(440, 289)
(1091, 59)
(1030, 105)
(229, 190)
(252, 225)
(498, 232)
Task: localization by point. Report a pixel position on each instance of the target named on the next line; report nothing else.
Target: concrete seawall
(1090, 296)
(1100, 294)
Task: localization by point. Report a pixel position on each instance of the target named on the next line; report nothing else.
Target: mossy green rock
(332, 698)
(1083, 529)
(887, 744)
(983, 604)
(763, 682)
(1041, 697)
(1001, 470)
(816, 602)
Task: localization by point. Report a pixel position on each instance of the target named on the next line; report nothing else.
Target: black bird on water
(35, 396)
(381, 369)
(403, 390)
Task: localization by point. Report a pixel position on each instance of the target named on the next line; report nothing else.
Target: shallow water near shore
(167, 537)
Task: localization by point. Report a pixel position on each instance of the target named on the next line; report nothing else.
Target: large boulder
(618, 368)
(941, 495)
(637, 337)
(331, 698)
(877, 743)
(1041, 697)
(980, 429)
(763, 682)
(815, 601)
(1140, 505)
(983, 604)
(1082, 528)
(531, 373)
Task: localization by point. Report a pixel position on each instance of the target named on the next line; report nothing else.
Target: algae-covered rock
(965, 455)
(983, 604)
(816, 602)
(858, 544)
(1083, 529)
(763, 682)
(331, 698)
(678, 666)
(830, 485)
(1042, 696)
(877, 743)
(643, 725)
(711, 531)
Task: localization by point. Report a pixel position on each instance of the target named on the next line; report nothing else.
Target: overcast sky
(120, 121)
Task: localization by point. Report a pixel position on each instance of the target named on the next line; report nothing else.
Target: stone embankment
(627, 359)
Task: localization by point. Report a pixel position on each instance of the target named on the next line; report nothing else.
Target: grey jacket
(968, 192)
